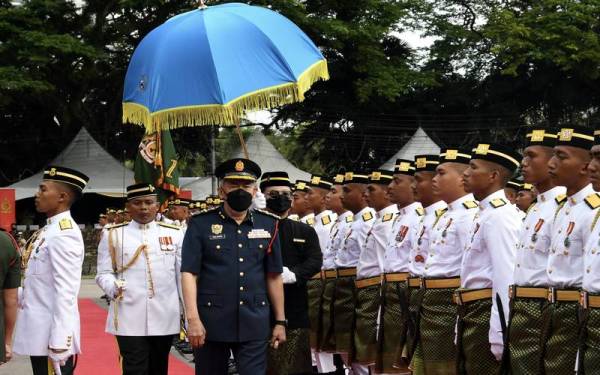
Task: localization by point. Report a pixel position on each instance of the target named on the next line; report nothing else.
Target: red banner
(8, 213)
(185, 194)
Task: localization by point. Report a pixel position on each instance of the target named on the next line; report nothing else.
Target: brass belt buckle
(512, 291)
(583, 299)
(552, 295)
(422, 282)
(457, 298)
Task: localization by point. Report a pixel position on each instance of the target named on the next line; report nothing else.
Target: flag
(156, 164)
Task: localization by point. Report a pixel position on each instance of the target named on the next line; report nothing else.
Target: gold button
(240, 245)
(218, 247)
(260, 246)
(239, 231)
(241, 259)
(549, 271)
(264, 303)
(241, 288)
(565, 252)
(241, 302)
(209, 304)
(241, 274)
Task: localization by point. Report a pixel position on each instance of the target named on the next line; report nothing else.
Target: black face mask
(239, 200)
(279, 204)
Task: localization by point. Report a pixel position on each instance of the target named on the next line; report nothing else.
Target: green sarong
(524, 336)
(315, 290)
(561, 337)
(293, 356)
(437, 330)
(474, 356)
(589, 349)
(343, 314)
(413, 344)
(327, 340)
(365, 335)
(392, 327)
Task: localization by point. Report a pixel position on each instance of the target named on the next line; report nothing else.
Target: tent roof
(420, 143)
(107, 175)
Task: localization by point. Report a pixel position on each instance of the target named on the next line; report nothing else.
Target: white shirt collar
(485, 202)
(56, 218)
(581, 194)
(135, 224)
(456, 204)
(406, 209)
(434, 207)
(551, 194)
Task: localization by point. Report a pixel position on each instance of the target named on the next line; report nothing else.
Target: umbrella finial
(202, 5)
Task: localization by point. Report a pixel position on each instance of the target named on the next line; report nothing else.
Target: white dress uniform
(400, 240)
(308, 219)
(371, 260)
(534, 239)
(48, 316)
(354, 241)
(488, 261)
(150, 304)
(449, 238)
(570, 231)
(418, 253)
(323, 223)
(339, 230)
(591, 259)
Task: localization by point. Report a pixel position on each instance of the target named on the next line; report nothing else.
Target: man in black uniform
(231, 273)
(301, 260)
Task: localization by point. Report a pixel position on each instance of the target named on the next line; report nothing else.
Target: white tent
(420, 143)
(107, 175)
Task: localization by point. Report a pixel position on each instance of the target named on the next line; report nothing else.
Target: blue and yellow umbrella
(211, 65)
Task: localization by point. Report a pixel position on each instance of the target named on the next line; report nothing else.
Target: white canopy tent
(107, 175)
(420, 143)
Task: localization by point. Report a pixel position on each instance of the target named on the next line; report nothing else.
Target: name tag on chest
(258, 233)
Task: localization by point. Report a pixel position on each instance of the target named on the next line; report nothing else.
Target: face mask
(280, 204)
(239, 200)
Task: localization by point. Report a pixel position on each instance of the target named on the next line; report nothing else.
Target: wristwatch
(281, 322)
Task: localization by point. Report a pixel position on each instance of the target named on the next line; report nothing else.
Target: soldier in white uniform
(47, 327)
(338, 232)
(528, 296)
(434, 207)
(370, 268)
(589, 355)
(441, 274)
(488, 261)
(139, 269)
(394, 307)
(179, 211)
(300, 204)
(317, 189)
(346, 260)
(569, 233)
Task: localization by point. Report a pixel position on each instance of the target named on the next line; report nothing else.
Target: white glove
(58, 359)
(120, 286)
(288, 276)
(497, 351)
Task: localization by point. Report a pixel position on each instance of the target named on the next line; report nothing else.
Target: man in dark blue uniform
(231, 277)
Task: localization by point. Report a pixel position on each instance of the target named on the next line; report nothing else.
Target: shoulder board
(310, 221)
(172, 226)
(440, 212)
(294, 218)
(560, 198)
(470, 204)
(349, 219)
(387, 217)
(268, 214)
(117, 226)
(65, 224)
(593, 201)
(420, 211)
(367, 216)
(325, 220)
(499, 202)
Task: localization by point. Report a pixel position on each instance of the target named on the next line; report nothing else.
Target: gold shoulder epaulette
(172, 226)
(470, 204)
(268, 214)
(420, 211)
(310, 221)
(593, 201)
(325, 220)
(560, 198)
(349, 219)
(367, 216)
(498, 202)
(387, 217)
(440, 212)
(65, 224)
(116, 225)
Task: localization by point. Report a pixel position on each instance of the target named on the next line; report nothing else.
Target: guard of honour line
(427, 269)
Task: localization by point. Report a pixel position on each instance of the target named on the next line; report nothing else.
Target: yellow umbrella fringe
(229, 113)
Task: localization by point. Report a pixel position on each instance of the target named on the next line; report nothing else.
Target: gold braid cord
(113, 256)
(28, 250)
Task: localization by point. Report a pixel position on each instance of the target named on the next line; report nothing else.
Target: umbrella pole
(239, 132)
(213, 158)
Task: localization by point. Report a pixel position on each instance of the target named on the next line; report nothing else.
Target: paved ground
(89, 289)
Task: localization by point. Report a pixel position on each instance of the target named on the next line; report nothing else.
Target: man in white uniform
(139, 269)
(47, 327)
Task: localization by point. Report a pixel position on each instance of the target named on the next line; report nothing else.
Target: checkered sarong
(393, 326)
(293, 356)
(560, 333)
(365, 335)
(524, 335)
(315, 290)
(343, 313)
(327, 340)
(437, 330)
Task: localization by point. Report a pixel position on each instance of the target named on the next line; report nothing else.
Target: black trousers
(42, 366)
(250, 357)
(145, 355)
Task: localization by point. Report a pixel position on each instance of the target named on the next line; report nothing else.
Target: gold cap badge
(239, 166)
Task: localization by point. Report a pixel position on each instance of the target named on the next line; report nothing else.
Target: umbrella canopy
(210, 65)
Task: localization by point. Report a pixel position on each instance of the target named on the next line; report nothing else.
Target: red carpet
(100, 355)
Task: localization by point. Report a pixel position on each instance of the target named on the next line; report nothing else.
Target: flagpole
(213, 158)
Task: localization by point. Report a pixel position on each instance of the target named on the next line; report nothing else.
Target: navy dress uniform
(48, 316)
(231, 262)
